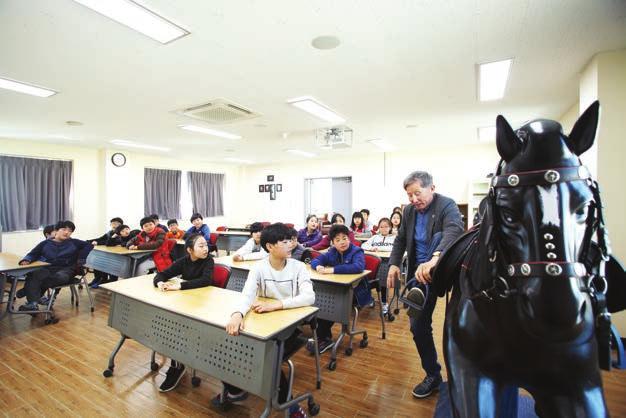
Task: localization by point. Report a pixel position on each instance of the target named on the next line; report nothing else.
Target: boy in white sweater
(279, 277)
(252, 249)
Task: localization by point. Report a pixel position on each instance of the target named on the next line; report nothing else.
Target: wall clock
(118, 159)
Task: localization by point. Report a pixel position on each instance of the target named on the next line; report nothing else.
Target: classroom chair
(213, 243)
(221, 275)
(221, 228)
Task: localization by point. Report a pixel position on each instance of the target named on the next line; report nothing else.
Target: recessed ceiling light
(132, 144)
(492, 79)
(20, 87)
(411, 126)
(325, 42)
(137, 17)
(237, 160)
(315, 108)
(209, 131)
(487, 134)
(73, 123)
(301, 153)
(382, 144)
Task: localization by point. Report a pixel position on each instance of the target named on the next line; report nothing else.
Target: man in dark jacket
(63, 253)
(430, 224)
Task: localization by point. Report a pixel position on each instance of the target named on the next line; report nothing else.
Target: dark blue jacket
(204, 231)
(60, 254)
(352, 261)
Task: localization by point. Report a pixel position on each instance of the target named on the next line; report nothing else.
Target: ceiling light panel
(18, 86)
(137, 17)
(209, 131)
(316, 108)
(131, 144)
(492, 79)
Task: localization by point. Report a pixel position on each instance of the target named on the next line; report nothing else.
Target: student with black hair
(49, 231)
(196, 270)
(150, 238)
(100, 276)
(342, 258)
(122, 235)
(174, 232)
(310, 234)
(358, 225)
(281, 278)
(298, 251)
(63, 253)
(367, 224)
(199, 227)
(252, 249)
(156, 219)
(396, 221)
(336, 219)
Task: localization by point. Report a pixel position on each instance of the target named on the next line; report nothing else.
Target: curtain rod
(34, 158)
(182, 171)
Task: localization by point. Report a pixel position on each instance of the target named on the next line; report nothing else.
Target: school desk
(238, 271)
(117, 261)
(10, 267)
(189, 326)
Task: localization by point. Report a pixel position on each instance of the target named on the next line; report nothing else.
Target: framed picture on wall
(267, 187)
(261, 188)
(279, 187)
(272, 192)
(270, 178)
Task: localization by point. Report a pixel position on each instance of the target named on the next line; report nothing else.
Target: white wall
(376, 179)
(102, 191)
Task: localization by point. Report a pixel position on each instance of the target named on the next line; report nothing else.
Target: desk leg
(109, 371)
(3, 282)
(333, 354)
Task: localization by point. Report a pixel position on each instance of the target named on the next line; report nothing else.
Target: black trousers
(291, 346)
(45, 278)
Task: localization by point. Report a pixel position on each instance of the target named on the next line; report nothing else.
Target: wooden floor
(56, 370)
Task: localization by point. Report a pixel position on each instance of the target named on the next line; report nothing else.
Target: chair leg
(83, 280)
(380, 306)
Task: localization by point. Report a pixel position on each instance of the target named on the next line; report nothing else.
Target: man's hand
(94, 243)
(24, 263)
(260, 307)
(422, 274)
(392, 275)
(235, 324)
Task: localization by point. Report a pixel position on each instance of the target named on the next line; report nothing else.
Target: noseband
(551, 269)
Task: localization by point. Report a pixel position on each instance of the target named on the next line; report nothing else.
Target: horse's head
(540, 203)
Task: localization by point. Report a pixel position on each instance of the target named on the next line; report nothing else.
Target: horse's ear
(584, 131)
(509, 145)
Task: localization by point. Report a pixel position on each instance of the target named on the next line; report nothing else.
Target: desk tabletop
(361, 238)
(228, 261)
(382, 254)
(119, 250)
(10, 262)
(246, 233)
(212, 305)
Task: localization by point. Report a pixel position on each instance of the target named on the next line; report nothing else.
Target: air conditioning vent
(218, 111)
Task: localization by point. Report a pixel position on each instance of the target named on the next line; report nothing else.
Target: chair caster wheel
(363, 343)
(195, 381)
(107, 373)
(154, 366)
(348, 351)
(396, 311)
(51, 321)
(332, 365)
(391, 318)
(92, 309)
(314, 408)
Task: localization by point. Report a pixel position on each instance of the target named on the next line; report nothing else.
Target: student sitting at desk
(150, 238)
(100, 276)
(63, 253)
(337, 219)
(49, 231)
(122, 235)
(174, 232)
(343, 258)
(196, 270)
(358, 226)
(157, 222)
(367, 223)
(310, 235)
(383, 241)
(252, 249)
(199, 227)
(279, 277)
(396, 221)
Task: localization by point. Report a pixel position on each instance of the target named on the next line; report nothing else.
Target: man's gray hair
(425, 179)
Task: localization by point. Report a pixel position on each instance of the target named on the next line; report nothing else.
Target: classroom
(333, 209)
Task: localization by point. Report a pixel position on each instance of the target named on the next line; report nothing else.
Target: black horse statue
(526, 310)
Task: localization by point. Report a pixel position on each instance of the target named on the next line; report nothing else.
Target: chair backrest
(266, 224)
(221, 275)
(315, 254)
(213, 240)
(375, 228)
(221, 228)
(372, 263)
(289, 225)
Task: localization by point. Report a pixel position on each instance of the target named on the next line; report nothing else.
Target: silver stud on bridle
(552, 176)
(553, 269)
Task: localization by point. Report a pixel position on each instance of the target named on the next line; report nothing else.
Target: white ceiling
(399, 63)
